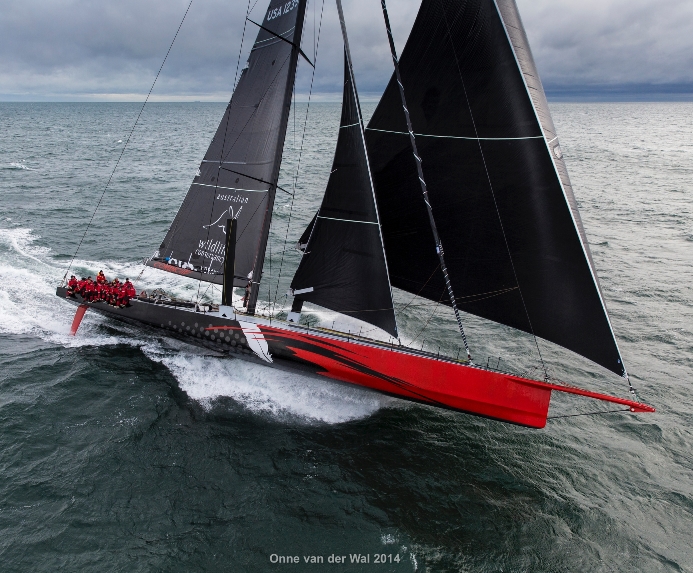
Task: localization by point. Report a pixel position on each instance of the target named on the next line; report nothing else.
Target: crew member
(113, 292)
(246, 296)
(100, 291)
(89, 290)
(128, 292)
(72, 285)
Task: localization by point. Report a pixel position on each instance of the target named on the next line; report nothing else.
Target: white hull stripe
(256, 340)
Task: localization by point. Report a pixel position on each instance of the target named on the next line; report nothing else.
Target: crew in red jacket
(115, 292)
(130, 289)
(125, 293)
(101, 278)
(111, 290)
(89, 290)
(72, 285)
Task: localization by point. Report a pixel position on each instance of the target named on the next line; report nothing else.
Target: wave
(28, 306)
(283, 395)
(17, 165)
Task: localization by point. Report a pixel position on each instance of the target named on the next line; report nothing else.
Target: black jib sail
(343, 267)
(238, 175)
(514, 243)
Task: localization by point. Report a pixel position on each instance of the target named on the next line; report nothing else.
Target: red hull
(394, 370)
(440, 382)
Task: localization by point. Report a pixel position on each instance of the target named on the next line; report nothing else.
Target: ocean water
(122, 450)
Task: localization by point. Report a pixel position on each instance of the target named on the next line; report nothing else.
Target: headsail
(515, 247)
(238, 175)
(344, 263)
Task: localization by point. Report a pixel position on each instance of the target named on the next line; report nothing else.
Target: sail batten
(505, 209)
(457, 136)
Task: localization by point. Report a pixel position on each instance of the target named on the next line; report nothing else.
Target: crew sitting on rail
(114, 293)
(113, 290)
(89, 292)
(72, 285)
(125, 292)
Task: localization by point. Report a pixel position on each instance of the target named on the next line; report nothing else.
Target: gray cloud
(66, 49)
(611, 41)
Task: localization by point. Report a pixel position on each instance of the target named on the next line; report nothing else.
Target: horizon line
(556, 93)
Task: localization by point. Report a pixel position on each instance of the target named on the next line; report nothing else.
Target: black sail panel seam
(273, 33)
(254, 179)
(230, 188)
(251, 163)
(348, 220)
(458, 136)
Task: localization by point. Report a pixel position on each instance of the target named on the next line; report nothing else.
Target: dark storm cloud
(65, 49)
(611, 41)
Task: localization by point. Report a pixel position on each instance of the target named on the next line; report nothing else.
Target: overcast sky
(111, 49)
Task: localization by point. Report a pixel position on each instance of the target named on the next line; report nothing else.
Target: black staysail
(343, 267)
(514, 244)
(238, 175)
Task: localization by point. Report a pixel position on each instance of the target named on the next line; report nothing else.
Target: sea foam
(28, 306)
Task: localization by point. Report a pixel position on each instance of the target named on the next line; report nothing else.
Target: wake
(29, 307)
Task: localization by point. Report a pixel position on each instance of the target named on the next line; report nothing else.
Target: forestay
(238, 175)
(514, 244)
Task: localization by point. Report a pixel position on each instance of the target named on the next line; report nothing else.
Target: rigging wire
(126, 143)
(589, 414)
(300, 155)
(429, 320)
(221, 159)
(223, 144)
(493, 194)
(422, 182)
(420, 290)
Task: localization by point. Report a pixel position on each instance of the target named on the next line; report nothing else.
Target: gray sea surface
(122, 450)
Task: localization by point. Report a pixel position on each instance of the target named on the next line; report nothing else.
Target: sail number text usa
(279, 10)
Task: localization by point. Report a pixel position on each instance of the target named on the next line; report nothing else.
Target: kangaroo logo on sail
(279, 10)
(223, 216)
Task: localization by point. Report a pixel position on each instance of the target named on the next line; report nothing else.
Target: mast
(229, 262)
(267, 220)
(424, 191)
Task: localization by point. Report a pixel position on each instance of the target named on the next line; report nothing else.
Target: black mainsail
(238, 176)
(516, 250)
(343, 267)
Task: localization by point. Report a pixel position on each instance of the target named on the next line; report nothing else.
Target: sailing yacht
(455, 191)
